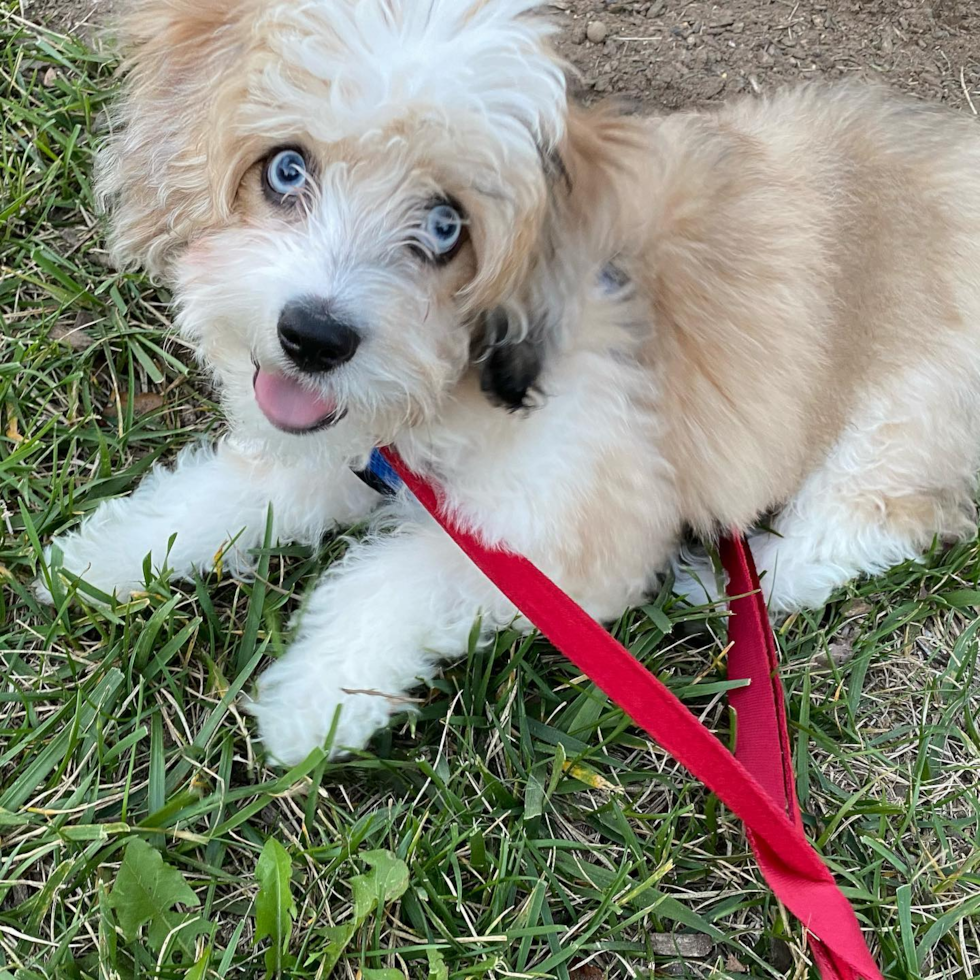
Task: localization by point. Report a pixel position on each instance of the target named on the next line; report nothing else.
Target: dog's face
(341, 191)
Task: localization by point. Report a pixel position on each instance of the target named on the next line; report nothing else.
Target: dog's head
(344, 193)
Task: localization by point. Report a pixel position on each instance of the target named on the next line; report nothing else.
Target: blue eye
(285, 173)
(443, 230)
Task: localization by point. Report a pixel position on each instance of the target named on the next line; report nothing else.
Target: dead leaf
(13, 432)
(143, 403)
(781, 955)
(686, 945)
(75, 336)
(838, 653)
(588, 971)
(587, 775)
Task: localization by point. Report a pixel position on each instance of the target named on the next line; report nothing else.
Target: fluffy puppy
(383, 222)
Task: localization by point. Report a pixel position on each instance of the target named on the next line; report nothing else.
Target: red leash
(756, 784)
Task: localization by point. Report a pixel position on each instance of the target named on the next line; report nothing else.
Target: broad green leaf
(199, 970)
(963, 599)
(145, 892)
(386, 882)
(177, 929)
(437, 965)
(382, 975)
(274, 905)
(337, 939)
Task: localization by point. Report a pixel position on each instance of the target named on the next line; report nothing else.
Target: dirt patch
(84, 17)
(676, 53)
(668, 54)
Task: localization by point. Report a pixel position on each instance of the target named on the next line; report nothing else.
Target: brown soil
(670, 54)
(675, 53)
(85, 17)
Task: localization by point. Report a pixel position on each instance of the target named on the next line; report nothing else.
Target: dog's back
(809, 256)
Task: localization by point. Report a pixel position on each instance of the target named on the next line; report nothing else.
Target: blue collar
(379, 475)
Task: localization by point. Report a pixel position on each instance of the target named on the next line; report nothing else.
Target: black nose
(313, 338)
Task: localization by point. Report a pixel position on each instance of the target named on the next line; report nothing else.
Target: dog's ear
(510, 367)
(594, 171)
(164, 172)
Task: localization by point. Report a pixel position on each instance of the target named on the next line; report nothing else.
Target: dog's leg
(215, 500)
(382, 619)
(695, 578)
(824, 539)
(886, 493)
(819, 545)
(375, 627)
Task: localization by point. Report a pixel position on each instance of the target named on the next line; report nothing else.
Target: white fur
(453, 61)
(214, 504)
(377, 625)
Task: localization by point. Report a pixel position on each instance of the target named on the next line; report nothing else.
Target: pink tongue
(288, 405)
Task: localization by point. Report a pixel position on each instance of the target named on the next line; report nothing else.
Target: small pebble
(596, 32)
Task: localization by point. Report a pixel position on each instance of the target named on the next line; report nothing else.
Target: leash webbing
(756, 784)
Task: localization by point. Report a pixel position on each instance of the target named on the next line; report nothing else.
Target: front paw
(696, 580)
(101, 564)
(297, 703)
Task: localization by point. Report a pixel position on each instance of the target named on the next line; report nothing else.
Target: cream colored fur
(794, 325)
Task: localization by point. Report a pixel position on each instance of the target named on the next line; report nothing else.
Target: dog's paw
(40, 588)
(695, 579)
(98, 565)
(295, 706)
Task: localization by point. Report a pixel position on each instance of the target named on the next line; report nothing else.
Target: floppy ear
(169, 166)
(511, 365)
(583, 211)
(600, 162)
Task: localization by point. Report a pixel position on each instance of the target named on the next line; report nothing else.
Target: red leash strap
(760, 711)
(756, 784)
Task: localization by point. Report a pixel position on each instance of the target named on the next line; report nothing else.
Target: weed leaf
(275, 908)
(386, 882)
(437, 965)
(144, 894)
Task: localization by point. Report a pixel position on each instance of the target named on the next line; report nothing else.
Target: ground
(519, 826)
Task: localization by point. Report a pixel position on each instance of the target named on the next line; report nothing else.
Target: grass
(519, 827)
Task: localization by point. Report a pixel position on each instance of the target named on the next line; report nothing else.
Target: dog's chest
(513, 474)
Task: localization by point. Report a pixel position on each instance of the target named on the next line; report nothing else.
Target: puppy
(383, 222)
